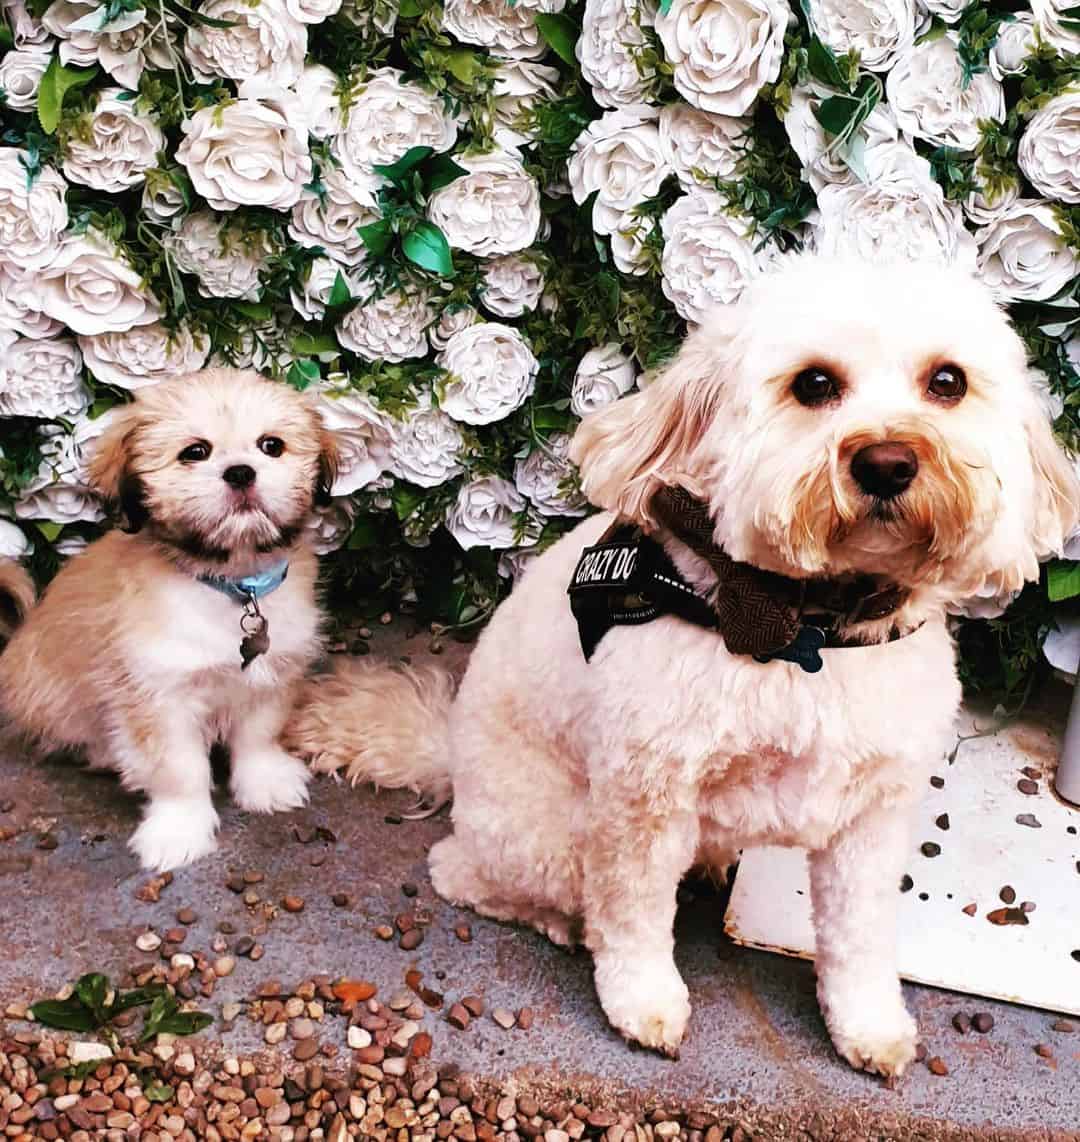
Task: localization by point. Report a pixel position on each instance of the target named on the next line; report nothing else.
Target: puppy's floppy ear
(110, 466)
(634, 447)
(1056, 511)
(328, 465)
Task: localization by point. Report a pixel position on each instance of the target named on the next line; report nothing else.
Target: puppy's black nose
(884, 470)
(239, 475)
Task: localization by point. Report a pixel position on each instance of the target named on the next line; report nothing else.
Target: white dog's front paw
(646, 1001)
(269, 781)
(174, 833)
(879, 1039)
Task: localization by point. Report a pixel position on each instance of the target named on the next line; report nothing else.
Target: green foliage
(56, 83)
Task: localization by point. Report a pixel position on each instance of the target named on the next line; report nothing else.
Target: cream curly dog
(842, 420)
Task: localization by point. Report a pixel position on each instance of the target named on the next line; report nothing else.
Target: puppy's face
(850, 417)
(219, 463)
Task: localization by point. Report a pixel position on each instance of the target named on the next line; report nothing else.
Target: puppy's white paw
(269, 781)
(174, 833)
(881, 1042)
(646, 1001)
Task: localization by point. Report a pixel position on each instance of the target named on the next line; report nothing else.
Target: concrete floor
(756, 1042)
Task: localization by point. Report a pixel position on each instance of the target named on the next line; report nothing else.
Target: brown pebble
(384, 932)
(47, 842)
(409, 889)
(393, 818)
(474, 1005)
(1029, 820)
(175, 936)
(1003, 916)
(405, 922)
(186, 916)
(961, 1022)
(257, 952)
(253, 876)
(937, 1066)
(411, 940)
(942, 822)
(371, 1055)
(937, 782)
(504, 1018)
(983, 1022)
(458, 1017)
(1026, 785)
(235, 884)
(292, 903)
(1063, 1026)
(244, 946)
(1044, 1050)
(525, 1018)
(1031, 771)
(970, 909)
(906, 883)
(1027, 905)
(920, 1052)
(306, 1049)
(1007, 895)
(930, 849)
(340, 900)
(463, 933)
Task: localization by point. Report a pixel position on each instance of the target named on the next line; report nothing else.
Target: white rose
(42, 378)
(367, 14)
(1049, 152)
(125, 54)
(92, 288)
(263, 41)
(310, 298)
(628, 243)
(493, 209)
(1056, 26)
(31, 217)
(899, 213)
(27, 31)
(162, 199)
(611, 39)
(1015, 39)
(519, 87)
(724, 51)
(20, 78)
(619, 157)
(602, 376)
(982, 207)
(20, 306)
(709, 255)
(116, 148)
(451, 321)
(492, 373)
(363, 435)
(247, 153)
(387, 118)
(144, 355)
(949, 10)
(328, 528)
(700, 146)
(1022, 255)
(879, 30)
(823, 162)
(503, 28)
(427, 446)
(927, 94)
(511, 285)
(226, 261)
(317, 90)
(76, 47)
(13, 541)
(542, 477)
(486, 514)
(312, 11)
(59, 498)
(513, 564)
(387, 328)
(333, 219)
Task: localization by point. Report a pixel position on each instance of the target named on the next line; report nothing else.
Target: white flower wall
(466, 224)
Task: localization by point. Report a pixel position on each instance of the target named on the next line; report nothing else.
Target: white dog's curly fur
(584, 791)
(129, 656)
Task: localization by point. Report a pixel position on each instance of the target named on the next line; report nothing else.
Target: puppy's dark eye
(271, 445)
(815, 386)
(193, 453)
(947, 383)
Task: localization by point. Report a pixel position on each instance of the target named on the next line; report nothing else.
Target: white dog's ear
(1056, 510)
(110, 466)
(631, 449)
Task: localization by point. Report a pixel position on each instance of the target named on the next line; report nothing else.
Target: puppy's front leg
(854, 886)
(265, 779)
(636, 852)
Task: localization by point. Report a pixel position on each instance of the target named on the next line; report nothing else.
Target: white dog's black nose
(239, 475)
(884, 470)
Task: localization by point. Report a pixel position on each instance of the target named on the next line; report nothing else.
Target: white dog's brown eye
(815, 386)
(271, 445)
(193, 453)
(948, 383)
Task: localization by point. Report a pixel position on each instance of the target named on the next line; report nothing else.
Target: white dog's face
(849, 417)
(217, 463)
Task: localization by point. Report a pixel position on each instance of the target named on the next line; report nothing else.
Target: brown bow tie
(760, 612)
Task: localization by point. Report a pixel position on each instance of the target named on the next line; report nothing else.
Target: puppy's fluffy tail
(375, 721)
(17, 596)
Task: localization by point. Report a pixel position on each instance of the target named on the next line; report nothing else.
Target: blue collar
(249, 586)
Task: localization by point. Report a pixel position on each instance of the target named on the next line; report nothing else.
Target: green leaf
(50, 530)
(560, 33)
(823, 64)
(55, 85)
(7, 39)
(843, 115)
(364, 535)
(665, 6)
(154, 1091)
(406, 499)
(409, 9)
(1062, 580)
(937, 29)
(397, 171)
(255, 310)
(464, 65)
(440, 172)
(377, 236)
(426, 246)
(137, 997)
(92, 990)
(340, 294)
(303, 373)
(315, 345)
(185, 1023)
(65, 1014)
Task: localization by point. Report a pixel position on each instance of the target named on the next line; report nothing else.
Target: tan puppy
(134, 652)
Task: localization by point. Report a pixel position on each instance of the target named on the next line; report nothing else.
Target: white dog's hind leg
(854, 886)
(265, 779)
(635, 855)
